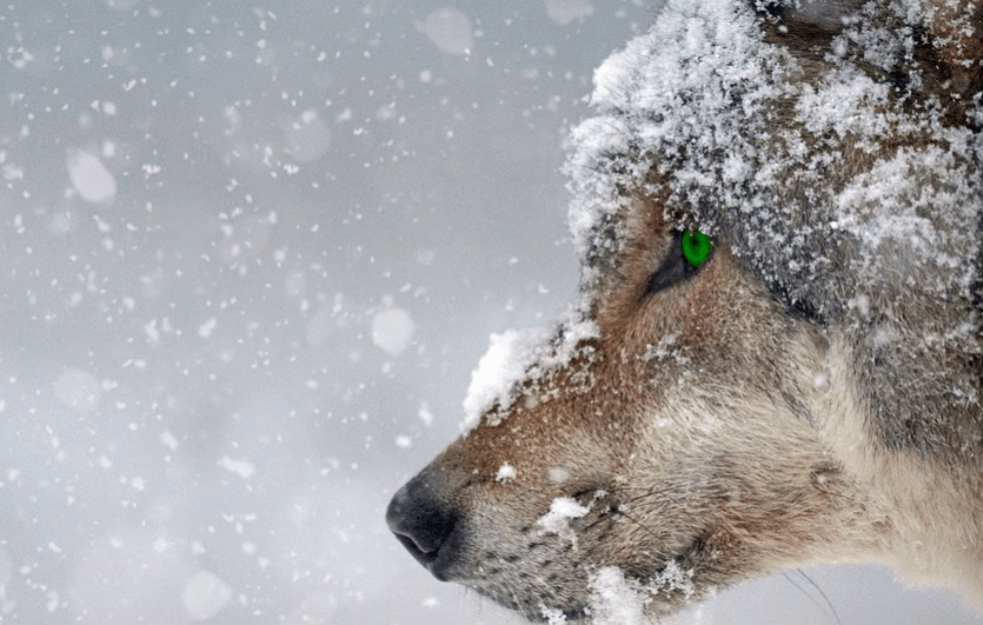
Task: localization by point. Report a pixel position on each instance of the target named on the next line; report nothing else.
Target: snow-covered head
(704, 416)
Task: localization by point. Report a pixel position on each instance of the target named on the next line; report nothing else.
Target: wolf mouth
(669, 583)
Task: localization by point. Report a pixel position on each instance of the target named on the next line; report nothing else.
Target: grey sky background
(250, 255)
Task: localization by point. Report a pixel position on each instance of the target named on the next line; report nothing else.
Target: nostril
(420, 521)
(422, 553)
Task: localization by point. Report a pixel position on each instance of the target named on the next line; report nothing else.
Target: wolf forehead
(843, 168)
(797, 153)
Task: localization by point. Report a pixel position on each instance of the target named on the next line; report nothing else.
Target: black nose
(424, 524)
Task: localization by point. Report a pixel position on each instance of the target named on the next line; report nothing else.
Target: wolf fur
(811, 392)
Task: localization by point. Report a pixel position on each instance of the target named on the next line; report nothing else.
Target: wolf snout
(425, 525)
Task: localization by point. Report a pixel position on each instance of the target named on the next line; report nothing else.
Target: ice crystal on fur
(505, 473)
(672, 579)
(553, 616)
(663, 350)
(557, 520)
(619, 600)
(616, 600)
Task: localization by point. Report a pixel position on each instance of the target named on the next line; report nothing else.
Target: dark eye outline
(688, 252)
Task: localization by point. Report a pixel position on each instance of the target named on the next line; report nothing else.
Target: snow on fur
(701, 90)
(527, 355)
(618, 600)
(562, 511)
(693, 101)
(827, 183)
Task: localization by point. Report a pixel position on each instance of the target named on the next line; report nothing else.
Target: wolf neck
(917, 501)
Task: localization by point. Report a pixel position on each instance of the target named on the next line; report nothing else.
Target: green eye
(696, 247)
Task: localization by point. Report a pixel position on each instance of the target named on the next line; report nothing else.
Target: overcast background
(249, 256)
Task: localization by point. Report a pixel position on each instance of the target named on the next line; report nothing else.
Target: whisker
(636, 522)
(652, 493)
(617, 509)
(822, 594)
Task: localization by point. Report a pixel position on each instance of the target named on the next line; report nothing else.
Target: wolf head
(777, 399)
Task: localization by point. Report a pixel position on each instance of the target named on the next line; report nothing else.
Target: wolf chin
(807, 392)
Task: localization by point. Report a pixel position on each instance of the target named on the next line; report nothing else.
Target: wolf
(775, 357)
